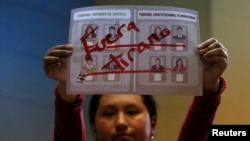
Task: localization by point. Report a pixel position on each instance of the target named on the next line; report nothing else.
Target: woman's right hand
(55, 67)
(54, 62)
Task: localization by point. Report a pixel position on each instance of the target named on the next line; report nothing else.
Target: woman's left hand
(215, 61)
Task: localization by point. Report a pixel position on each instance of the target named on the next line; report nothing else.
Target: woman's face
(89, 62)
(179, 62)
(122, 118)
(157, 30)
(89, 29)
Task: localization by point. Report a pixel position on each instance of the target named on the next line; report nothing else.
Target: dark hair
(86, 34)
(157, 59)
(111, 27)
(179, 28)
(177, 60)
(148, 101)
(156, 28)
(88, 58)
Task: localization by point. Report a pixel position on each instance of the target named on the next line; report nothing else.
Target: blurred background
(29, 28)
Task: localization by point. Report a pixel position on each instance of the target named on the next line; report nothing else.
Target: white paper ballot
(138, 36)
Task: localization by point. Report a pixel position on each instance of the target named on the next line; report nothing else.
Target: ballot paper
(134, 50)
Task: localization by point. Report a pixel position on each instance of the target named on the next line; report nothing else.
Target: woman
(69, 121)
(126, 117)
(89, 32)
(157, 33)
(179, 66)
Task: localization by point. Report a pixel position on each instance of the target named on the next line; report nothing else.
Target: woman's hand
(215, 60)
(55, 67)
(54, 61)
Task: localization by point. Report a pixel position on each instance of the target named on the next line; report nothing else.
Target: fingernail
(70, 52)
(58, 64)
(200, 45)
(201, 51)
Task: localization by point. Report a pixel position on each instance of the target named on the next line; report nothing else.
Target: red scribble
(129, 54)
(128, 71)
(132, 25)
(118, 60)
(144, 44)
(163, 34)
(105, 40)
(90, 49)
(92, 31)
